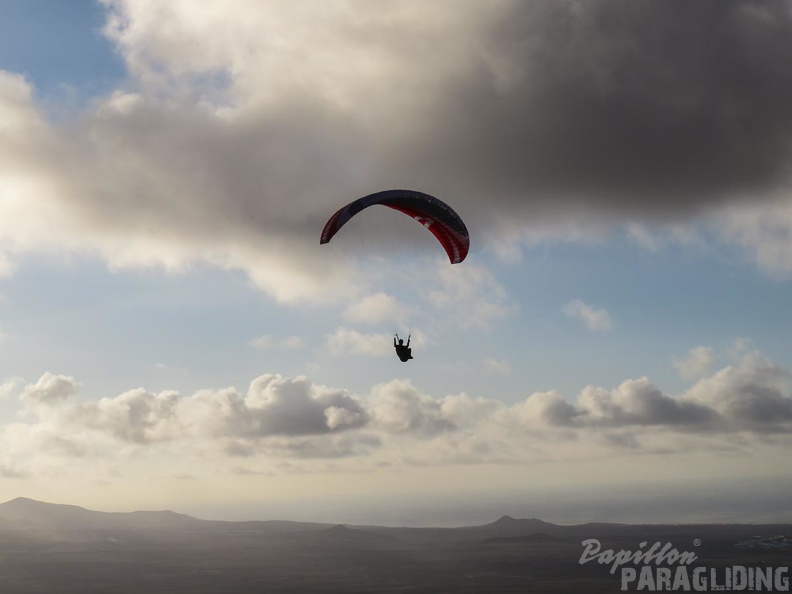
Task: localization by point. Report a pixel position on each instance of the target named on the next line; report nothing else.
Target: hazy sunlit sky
(173, 335)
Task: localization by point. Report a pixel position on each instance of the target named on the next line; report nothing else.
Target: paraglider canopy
(432, 213)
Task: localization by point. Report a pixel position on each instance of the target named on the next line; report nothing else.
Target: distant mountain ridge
(508, 526)
(28, 516)
(29, 512)
(23, 512)
(350, 537)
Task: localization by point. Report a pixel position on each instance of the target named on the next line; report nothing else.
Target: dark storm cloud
(510, 110)
(626, 106)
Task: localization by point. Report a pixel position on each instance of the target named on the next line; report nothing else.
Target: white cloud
(269, 342)
(9, 386)
(263, 342)
(747, 407)
(293, 407)
(373, 309)
(764, 231)
(593, 318)
(638, 402)
(739, 347)
(268, 47)
(273, 406)
(346, 341)
(698, 363)
(544, 408)
(497, 365)
(754, 393)
(136, 416)
(653, 238)
(509, 235)
(466, 412)
(280, 416)
(172, 370)
(397, 407)
(468, 296)
(49, 389)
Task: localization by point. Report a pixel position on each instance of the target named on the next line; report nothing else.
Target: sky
(615, 346)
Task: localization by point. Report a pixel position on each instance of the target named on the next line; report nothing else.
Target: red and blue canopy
(434, 214)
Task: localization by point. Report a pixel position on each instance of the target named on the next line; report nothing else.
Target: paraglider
(403, 351)
(432, 213)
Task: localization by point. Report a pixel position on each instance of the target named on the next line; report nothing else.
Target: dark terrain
(53, 549)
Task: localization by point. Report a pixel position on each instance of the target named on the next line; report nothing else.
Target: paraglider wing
(434, 214)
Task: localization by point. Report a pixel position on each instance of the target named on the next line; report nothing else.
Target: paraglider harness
(403, 350)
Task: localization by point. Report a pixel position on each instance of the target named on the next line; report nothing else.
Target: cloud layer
(244, 125)
(746, 407)
(634, 106)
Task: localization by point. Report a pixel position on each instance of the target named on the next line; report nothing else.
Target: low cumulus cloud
(277, 414)
(136, 416)
(697, 364)
(740, 407)
(638, 402)
(273, 406)
(244, 125)
(398, 407)
(752, 394)
(544, 408)
(9, 386)
(49, 389)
